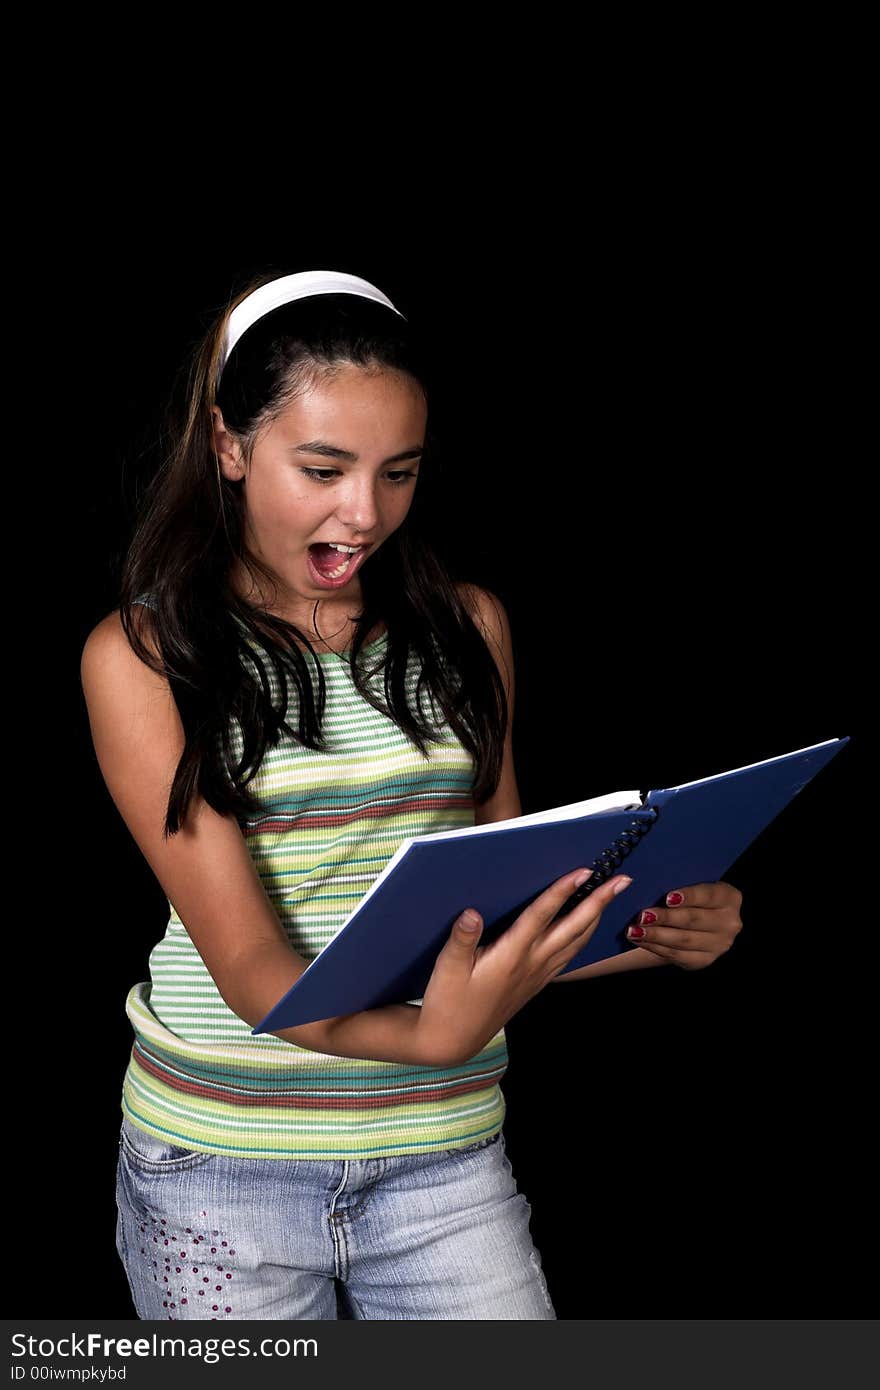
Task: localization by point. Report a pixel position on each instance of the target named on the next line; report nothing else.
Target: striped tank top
(328, 824)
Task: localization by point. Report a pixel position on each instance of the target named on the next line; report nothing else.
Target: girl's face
(340, 465)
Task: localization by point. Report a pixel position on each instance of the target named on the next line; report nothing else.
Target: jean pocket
(155, 1154)
(466, 1149)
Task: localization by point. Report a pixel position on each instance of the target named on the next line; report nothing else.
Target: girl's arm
(635, 959)
(205, 869)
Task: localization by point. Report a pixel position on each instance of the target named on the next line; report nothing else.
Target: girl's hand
(474, 990)
(698, 924)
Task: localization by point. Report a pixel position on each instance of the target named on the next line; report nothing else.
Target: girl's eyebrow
(330, 451)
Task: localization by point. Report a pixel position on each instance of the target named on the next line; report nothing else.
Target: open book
(385, 952)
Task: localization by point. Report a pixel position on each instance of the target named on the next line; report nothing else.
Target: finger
(680, 938)
(569, 934)
(532, 923)
(692, 919)
(533, 920)
(441, 1003)
(718, 894)
(716, 921)
(578, 925)
(466, 931)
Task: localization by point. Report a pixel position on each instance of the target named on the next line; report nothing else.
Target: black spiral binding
(606, 864)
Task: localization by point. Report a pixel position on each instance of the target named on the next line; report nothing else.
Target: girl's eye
(320, 475)
(326, 475)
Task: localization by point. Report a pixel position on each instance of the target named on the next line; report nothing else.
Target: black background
(665, 403)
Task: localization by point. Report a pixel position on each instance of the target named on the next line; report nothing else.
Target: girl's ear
(226, 449)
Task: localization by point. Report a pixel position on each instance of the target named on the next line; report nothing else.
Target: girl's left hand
(698, 924)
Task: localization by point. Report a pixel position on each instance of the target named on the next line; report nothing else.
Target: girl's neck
(324, 625)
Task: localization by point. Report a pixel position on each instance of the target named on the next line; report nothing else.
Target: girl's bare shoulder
(488, 613)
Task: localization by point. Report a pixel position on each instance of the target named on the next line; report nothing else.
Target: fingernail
(647, 917)
(582, 877)
(674, 899)
(636, 933)
(469, 920)
(623, 883)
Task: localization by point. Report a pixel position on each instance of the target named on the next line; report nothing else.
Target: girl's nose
(359, 509)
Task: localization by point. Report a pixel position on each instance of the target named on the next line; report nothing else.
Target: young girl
(294, 683)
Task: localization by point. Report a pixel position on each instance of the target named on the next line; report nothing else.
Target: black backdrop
(673, 424)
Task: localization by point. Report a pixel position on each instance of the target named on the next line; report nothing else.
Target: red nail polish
(636, 932)
(673, 899)
(648, 917)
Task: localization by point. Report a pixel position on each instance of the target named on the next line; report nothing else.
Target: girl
(292, 684)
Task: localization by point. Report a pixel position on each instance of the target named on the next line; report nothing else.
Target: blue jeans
(424, 1236)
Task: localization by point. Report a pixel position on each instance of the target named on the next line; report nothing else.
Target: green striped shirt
(328, 824)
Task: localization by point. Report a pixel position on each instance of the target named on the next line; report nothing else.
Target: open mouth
(333, 563)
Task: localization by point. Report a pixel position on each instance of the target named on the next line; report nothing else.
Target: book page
(612, 801)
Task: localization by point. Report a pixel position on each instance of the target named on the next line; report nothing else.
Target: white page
(612, 801)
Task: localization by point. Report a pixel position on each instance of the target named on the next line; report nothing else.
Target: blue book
(385, 952)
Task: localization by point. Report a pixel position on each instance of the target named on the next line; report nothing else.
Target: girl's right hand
(474, 990)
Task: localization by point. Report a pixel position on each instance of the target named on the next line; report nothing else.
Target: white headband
(277, 292)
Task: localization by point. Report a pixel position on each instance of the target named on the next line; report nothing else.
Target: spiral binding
(606, 864)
